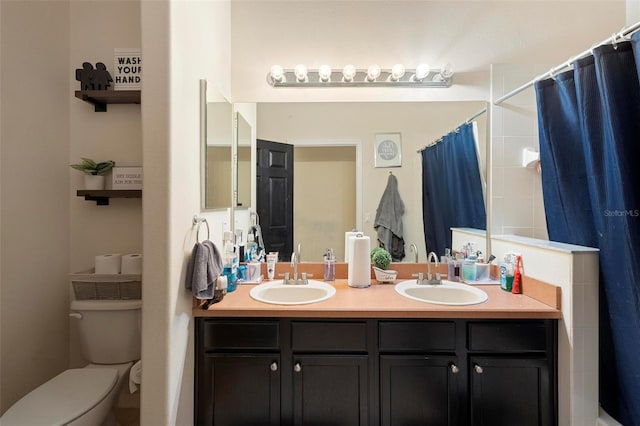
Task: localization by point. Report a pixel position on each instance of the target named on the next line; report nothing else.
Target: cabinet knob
(454, 369)
(478, 369)
(274, 366)
(297, 367)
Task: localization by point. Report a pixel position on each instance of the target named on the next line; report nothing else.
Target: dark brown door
(274, 183)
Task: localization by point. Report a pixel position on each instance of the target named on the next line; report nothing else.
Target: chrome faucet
(295, 260)
(414, 249)
(430, 279)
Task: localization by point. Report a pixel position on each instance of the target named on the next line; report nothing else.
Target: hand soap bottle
(329, 266)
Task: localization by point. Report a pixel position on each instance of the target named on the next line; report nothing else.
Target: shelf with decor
(102, 196)
(100, 98)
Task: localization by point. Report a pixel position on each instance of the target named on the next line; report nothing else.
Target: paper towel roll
(347, 235)
(131, 264)
(108, 263)
(359, 261)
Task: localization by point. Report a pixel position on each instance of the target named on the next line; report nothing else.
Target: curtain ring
(614, 42)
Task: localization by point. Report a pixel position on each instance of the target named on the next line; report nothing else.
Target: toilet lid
(62, 399)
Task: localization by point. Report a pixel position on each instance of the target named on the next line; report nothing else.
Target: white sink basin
(277, 293)
(447, 293)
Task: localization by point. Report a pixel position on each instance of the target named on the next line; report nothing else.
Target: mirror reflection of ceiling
(419, 124)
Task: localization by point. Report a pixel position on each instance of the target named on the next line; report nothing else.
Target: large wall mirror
(337, 186)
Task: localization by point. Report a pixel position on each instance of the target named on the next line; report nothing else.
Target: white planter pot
(93, 182)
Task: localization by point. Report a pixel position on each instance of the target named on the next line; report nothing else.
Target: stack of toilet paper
(115, 263)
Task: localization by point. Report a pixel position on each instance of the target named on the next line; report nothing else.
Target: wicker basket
(90, 286)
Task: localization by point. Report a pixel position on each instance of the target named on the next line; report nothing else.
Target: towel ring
(199, 221)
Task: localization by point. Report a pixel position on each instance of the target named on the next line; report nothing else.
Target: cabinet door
(511, 391)
(418, 390)
(330, 390)
(240, 390)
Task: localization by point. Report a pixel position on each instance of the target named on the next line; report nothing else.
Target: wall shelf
(101, 197)
(100, 98)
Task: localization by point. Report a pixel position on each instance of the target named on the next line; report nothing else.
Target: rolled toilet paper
(132, 264)
(108, 263)
(359, 261)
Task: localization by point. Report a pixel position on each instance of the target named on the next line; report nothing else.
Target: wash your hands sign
(127, 69)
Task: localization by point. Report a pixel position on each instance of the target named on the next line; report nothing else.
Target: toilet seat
(62, 399)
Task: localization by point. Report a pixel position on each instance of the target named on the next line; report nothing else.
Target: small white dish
(385, 275)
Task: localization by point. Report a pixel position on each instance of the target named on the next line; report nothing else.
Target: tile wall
(517, 206)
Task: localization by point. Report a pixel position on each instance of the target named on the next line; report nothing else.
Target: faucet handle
(420, 276)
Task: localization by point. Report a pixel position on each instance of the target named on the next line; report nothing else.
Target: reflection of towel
(135, 376)
(204, 268)
(388, 220)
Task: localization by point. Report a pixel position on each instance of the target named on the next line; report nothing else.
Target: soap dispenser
(329, 266)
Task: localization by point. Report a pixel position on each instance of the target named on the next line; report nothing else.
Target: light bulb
(422, 71)
(324, 73)
(348, 72)
(373, 72)
(277, 73)
(301, 72)
(397, 71)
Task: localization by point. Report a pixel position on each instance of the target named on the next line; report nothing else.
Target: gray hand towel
(388, 221)
(204, 268)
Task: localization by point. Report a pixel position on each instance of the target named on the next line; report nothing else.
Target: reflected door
(274, 196)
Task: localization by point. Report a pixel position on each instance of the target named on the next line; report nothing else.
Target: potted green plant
(94, 172)
(381, 259)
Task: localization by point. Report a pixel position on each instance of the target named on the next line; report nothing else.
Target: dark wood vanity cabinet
(375, 372)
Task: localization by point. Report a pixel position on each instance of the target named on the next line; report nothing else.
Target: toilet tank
(109, 330)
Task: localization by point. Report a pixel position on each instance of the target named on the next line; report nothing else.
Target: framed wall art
(387, 150)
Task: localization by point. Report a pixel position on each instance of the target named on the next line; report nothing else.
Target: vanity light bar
(349, 76)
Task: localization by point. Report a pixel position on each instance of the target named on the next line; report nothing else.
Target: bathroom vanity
(373, 357)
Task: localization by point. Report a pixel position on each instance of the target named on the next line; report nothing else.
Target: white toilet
(110, 337)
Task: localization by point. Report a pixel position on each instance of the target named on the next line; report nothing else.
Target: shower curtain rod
(467, 121)
(625, 32)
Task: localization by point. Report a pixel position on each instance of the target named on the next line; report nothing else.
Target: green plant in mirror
(90, 167)
(380, 257)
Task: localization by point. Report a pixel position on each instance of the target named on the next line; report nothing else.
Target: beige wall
(112, 135)
(324, 191)
(35, 227)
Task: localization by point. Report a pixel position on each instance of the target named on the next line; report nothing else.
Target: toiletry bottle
(329, 266)
(272, 258)
(229, 262)
(506, 273)
(453, 268)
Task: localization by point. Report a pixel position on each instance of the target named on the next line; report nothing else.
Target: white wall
(182, 42)
(469, 35)
(35, 195)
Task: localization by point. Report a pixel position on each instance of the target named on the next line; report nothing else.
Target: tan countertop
(380, 301)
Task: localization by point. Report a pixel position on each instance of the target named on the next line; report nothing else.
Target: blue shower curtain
(589, 130)
(452, 194)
